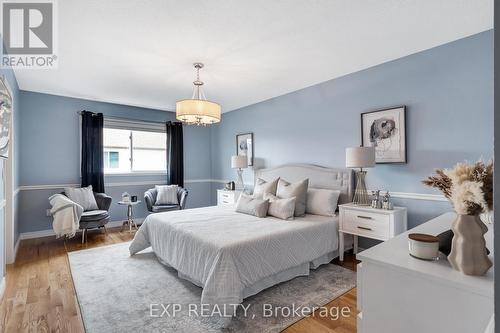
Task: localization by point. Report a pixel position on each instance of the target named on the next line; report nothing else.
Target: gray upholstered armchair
(92, 219)
(150, 199)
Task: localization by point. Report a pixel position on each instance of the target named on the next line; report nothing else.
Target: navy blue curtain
(92, 167)
(175, 154)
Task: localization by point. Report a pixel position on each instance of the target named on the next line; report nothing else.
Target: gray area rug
(116, 293)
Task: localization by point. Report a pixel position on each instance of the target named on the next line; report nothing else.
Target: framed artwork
(244, 146)
(5, 118)
(386, 131)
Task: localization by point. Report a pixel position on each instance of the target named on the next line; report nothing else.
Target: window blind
(134, 125)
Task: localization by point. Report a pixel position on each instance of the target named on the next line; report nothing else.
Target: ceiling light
(197, 110)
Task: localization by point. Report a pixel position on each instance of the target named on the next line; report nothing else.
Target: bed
(232, 255)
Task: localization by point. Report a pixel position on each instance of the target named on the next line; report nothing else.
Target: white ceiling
(141, 52)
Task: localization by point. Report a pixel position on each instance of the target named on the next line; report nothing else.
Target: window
(111, 159)
(134, 147)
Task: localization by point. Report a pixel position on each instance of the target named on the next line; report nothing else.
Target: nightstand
(225, 197)
(369, 222)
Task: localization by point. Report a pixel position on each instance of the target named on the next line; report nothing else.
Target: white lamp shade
(197, 111)
(239, 161)
(360, 157)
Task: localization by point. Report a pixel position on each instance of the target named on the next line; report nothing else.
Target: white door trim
(8, 179)
(10, 256)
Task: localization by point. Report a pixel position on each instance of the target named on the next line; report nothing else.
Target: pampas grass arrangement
(469, 187)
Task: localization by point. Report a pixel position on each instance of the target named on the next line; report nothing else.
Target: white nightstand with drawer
(369, 222)
(225, 197)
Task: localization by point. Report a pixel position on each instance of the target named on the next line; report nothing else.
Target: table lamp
(239, 162)
(360, 157)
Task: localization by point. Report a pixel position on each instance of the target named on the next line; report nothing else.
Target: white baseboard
(2, 287)
(36, 234)
(16, 248)
(50, 232)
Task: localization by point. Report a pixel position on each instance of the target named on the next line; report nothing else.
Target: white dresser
(225, 197)
(369, 222)
(398, 293)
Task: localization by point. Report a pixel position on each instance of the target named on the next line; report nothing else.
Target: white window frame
(134, 125)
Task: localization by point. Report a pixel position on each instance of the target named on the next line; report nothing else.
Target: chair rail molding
(416, 196)
(398, 195)
(109, 184)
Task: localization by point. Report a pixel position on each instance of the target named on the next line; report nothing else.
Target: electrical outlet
(48, 212)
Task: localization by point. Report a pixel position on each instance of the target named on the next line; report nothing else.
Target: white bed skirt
(286, 275)
(267, 282)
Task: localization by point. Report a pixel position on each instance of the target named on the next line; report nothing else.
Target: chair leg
(105, 230)
(83, 235)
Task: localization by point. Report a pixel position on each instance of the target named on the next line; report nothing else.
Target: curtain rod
(80, 112)
(125, 119)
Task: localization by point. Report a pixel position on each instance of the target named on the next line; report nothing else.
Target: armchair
(96, 218)
(150, 199)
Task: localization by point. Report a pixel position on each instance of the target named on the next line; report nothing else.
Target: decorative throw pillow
(252, 206)
(83, 196)
(262, 187)
(166, 195)
(280, 208)
(297, 190)
(322, 202)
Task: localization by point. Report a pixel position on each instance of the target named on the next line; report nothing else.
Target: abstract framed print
(386, 131)
(244, 146)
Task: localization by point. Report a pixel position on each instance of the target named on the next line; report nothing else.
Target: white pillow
(280, 208)
(252, 206)
(166, 195)
(83, 196)
(322, 202)
(262, 187)
(297, 190)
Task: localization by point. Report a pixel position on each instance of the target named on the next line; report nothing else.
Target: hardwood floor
(40, 296)
(319, 324)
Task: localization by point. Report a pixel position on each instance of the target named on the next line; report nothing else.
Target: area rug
(120, 293)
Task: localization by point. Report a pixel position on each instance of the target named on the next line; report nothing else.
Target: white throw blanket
(66, 215)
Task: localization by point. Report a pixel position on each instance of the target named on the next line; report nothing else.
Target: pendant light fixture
(197, 110)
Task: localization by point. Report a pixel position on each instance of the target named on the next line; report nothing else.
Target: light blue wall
(12, 82)
(448, 91)
(50, 139)
(50, 154)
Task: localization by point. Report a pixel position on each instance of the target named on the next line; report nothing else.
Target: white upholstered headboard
(319, 177)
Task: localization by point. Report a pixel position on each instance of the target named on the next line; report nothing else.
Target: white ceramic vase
(468, 247)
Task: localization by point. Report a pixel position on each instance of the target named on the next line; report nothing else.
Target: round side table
(130, 221)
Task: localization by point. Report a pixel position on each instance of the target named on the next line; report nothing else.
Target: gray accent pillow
(297, 190)
(252, 206)
(262, 187)
(83, 196)
(280, 208)
(322, 201)
(166, 195)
